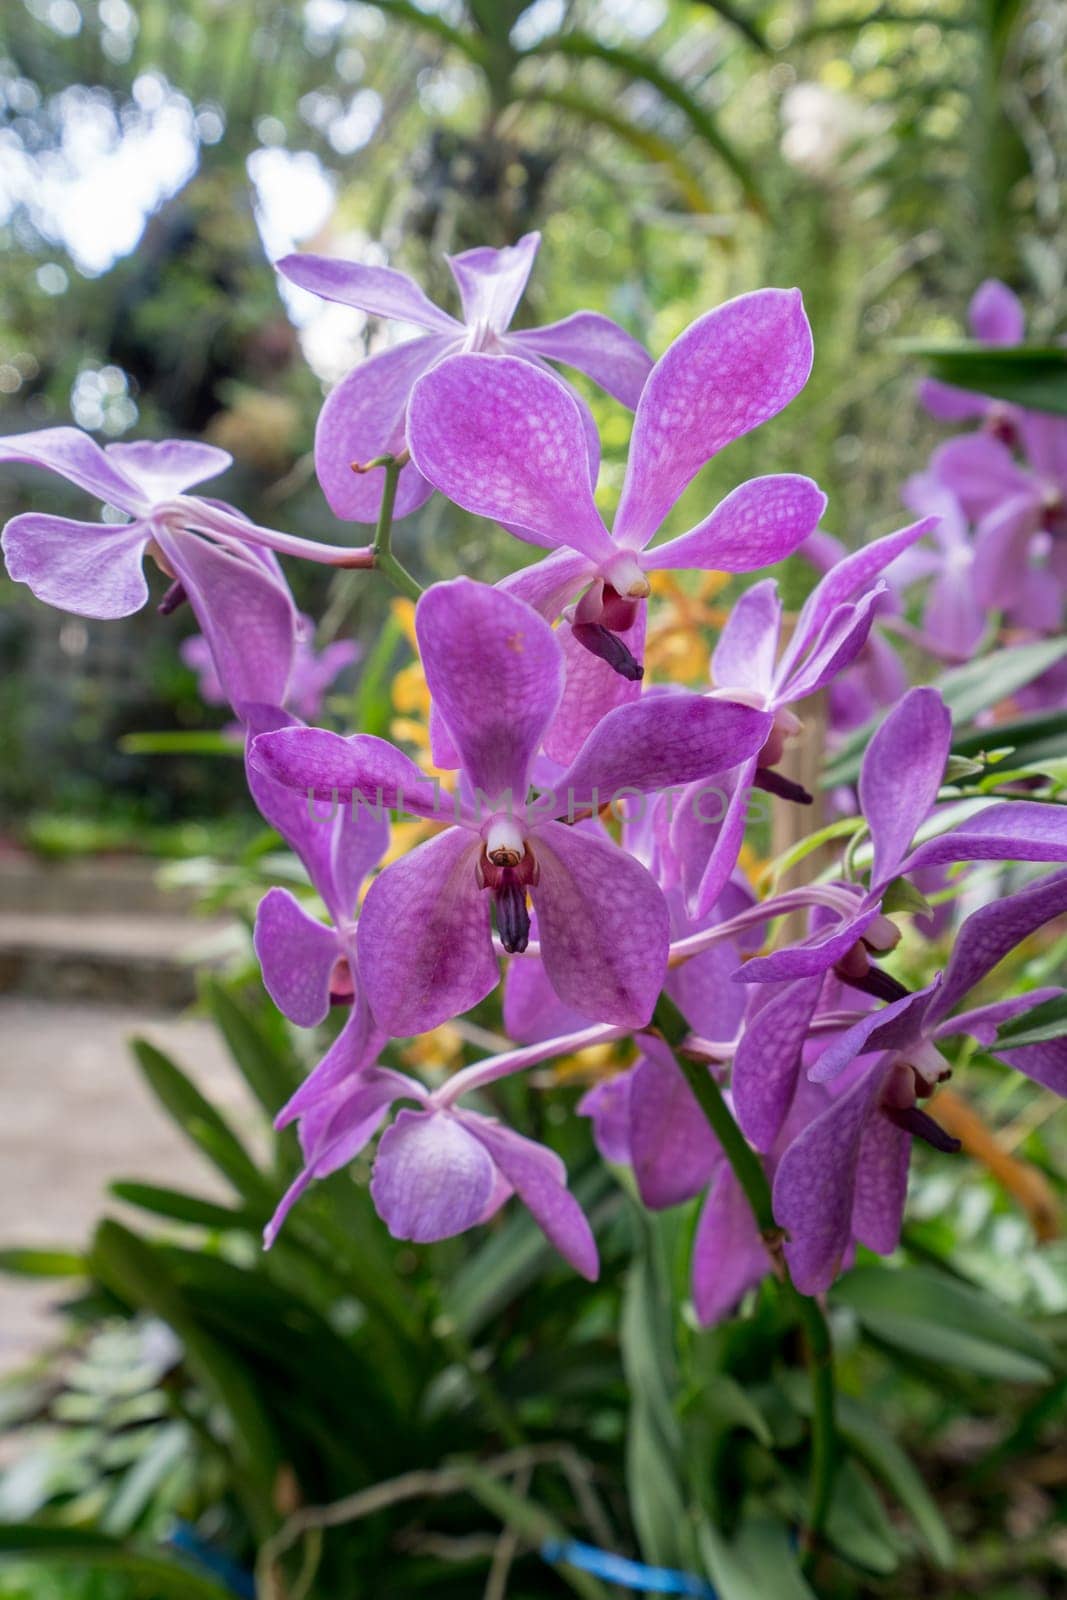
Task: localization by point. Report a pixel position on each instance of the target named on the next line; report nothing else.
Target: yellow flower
(678, 645)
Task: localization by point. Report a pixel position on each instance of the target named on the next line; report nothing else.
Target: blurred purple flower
(313, 671)
(996, 317)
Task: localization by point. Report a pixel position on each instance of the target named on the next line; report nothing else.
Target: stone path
(74, 1114)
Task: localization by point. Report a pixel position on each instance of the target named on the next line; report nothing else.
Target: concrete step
(99, 884)
(126, 958)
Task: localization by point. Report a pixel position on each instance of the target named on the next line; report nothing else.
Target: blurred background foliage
(154, 158)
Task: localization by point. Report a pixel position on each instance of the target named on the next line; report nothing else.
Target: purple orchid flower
(832, 628)
(439, 1169)
(94, 569)
(1020, 511)
(312, 675)
(953, 619)
(846, 1174)
(504, 441)
(495, 671)
(899, 781)
(996, 317)
(365, 415)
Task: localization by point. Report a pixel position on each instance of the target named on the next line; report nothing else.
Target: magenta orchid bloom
(846, 1174)
(505, 441)
(495, 671)
(996, 317)
(365, 415)
(439, 1170)
(94, 569)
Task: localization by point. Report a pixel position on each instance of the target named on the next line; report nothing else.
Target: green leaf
(1028, 375)
(28, 1262)
(653, 1438)
(154, 1575)
(270, 1074)
(843, 828)
(945, 1321)
(138, 1273)
(205, 1127)
(181, 1207)
(967, 690)
(900, 895)
(758, 1564)
(858, 1525)
(1044, 1022)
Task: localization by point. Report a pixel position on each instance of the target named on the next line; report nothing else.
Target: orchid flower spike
(503, 440)
(495, 671)
(365, 415)
(846, 1174)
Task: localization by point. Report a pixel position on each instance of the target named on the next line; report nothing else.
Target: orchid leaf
(1046, 1021)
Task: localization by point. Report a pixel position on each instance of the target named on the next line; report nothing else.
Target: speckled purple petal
(93, 569)
(768, 1058)
(844, 581)
(815, 1185)
(245, 612)
(549, 584)
(297, 954)
(532, 1008)
(380, 291)
(604, 926)
(843, 636)
(881, 1185)
(595, 345)
(423, 937)
(892, 1027)
(1045, 1063)
(331, 768)
(167, 467)
(748, 644)
(491, 282)
(816, 954)
(729, 371)
(761, 522)
(707, 832)
(671, 1146)
(505, 440)
(349, 1059)
(663, 740)
(983, 1021)
(78, 458)
(495, 671)
(992, 932)
(431, 1178)
(364, 417)
(1014, 830)
(903, 768)
(539, 1178)
(729, 1256)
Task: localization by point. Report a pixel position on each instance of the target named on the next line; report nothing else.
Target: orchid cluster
(583, 828)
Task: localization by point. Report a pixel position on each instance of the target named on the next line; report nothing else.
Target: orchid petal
(428, 910)
(297, 954)
(1014, 830)
(949, 404)
(881, 1185)
(495, 671)
(491, 282)
(996, 315)
(532, 1008)
(597, 346)
(1001, 548)
(92, 569)
(604, 926)
(745, 653)
(505, 440)
(539, 1178)
(591, 689)
(78, 458)
(993, 931)
(549, 584)
(981, 472)
(168, 467)
(816, 954)
(708, 846)
(895, 1026)
(729, 1255)
(349, 1060)
(432, 1179)
(365, 417)
(662, 740)
(903, 769)
(768, 1059)
(607, 1105)
(815, 1185)
(379, 291)
(729, 371)
(326, 766)
(761, 522)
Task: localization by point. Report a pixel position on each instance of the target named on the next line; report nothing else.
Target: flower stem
(384, 559)
(748, 1170)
